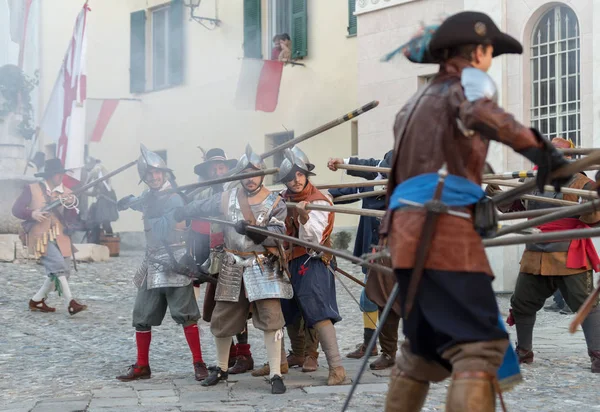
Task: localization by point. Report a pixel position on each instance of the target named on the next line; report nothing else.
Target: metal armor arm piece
(276, 223)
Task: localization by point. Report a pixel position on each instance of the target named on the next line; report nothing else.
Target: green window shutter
(351, 18)
(137, 56)
(299, 29)
(252, 29)
(176, 54)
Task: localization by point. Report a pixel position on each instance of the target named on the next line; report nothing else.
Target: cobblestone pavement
(54, 362)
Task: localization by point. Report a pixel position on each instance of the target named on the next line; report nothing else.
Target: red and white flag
(258, 85)
(64, 118)
(99, 112)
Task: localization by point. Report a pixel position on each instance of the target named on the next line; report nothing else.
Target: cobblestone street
(54, 362)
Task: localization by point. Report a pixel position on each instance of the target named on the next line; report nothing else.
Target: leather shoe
(360, 352)
(136, 372)
(200, 371)
(242, 364)
(277, 385)
(75, 307)
(310, 364)
(215, 377)
(384, 361)
(266, 370)
(40, 306)
(294, 360)
(525, 356)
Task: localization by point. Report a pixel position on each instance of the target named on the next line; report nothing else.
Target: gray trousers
(151, 306)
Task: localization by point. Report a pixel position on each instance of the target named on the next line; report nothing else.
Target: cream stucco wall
(383, 26)
(201, 111)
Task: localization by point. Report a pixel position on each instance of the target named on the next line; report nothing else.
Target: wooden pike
(522, 174)
(368, 183)
(526, 214)
(357, 196)
(321, 129)
(549, 200)
(359, 168)
(588, 194)
(585, 309)
(341, 209)
(578, 151)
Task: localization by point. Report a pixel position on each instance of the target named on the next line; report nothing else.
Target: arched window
(555, 74)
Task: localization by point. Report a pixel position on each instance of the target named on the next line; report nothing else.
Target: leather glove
(179, 214)
(241, 227)
(123, 203)
(257, 238)
(548, 159)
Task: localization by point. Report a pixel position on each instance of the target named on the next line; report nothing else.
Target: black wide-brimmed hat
(471, 27)
(210, 157)
(51, 167)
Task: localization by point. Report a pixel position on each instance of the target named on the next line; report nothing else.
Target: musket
(340, 209)
(566, 170)
(321, 129)
(373, 193)
(434, 208)
(585, 309)
(588, 194)
(309, 245)
(91, 184)
(360, 168)
(28, 224)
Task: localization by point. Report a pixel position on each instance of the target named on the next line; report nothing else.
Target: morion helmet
(148, 160)
(292, 164)
(250, 159)
(302, 156)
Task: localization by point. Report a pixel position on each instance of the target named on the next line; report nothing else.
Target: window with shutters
(555, 73)
(289, 17)
(162, 56)
(351, 18)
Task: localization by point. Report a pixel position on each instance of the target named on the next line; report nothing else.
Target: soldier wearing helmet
(159, 286)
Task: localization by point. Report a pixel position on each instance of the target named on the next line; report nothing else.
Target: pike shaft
(341, 209)
(543, 237)
(226, 179)
(526, 214)
(587, 207)
(357, 196)
(368, 183)
(359, 168)
(588, 194)
(566, 170)
(309, 245)
(549, 200)
(321, 129)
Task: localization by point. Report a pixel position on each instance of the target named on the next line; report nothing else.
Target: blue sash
(457, 192)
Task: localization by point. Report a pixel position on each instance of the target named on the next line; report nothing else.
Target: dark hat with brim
(470, 27)
(213, 156)
(51, 167)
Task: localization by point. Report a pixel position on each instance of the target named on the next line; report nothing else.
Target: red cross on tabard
(302, 270)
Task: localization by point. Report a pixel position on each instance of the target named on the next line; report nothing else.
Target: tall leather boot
(471, 391)
(405, 394)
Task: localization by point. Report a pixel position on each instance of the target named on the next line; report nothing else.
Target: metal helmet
(149, 159)
(302, 156)
(290, 165)
(250, 159)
